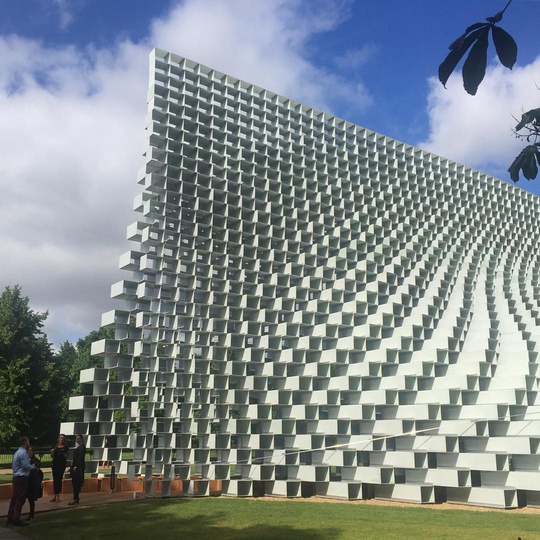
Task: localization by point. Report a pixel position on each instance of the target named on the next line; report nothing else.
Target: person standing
(78, 466)
(59, 454)
(105, 445)
(35, 479)
(21, 469)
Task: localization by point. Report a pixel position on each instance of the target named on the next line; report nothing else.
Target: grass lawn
(242, 519)
(6, 478)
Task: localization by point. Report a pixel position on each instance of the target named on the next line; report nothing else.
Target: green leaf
(505, 46)
(474, 68)
(25, 370)
(454, 56)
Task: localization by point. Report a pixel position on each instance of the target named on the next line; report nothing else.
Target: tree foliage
(475, 40)
(35, 382)
(76, 358)
(83, 359)
(66, 357)
(27, 370)
(528, 159)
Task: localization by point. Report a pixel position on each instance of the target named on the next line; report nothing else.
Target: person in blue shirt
(21, 469)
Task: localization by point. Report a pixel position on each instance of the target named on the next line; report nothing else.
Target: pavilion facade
(313, 308)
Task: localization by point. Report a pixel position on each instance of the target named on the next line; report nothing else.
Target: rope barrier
(468, 423)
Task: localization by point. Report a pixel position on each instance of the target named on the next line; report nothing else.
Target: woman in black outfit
(35, 489)
(77, 469)
(59, 454)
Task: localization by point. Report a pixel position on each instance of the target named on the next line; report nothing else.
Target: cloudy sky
(73, 82)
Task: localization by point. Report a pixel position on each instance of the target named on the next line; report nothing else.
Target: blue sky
(73, 77)
(401, 42)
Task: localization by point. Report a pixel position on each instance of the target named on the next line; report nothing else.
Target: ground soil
(403, 504)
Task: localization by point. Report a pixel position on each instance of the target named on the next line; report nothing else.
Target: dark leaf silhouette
(457, 43)
(474, 67)
(457, 53)
(530, 165)
(475, 41)
(475, 38)
(505, 46)
(530, 117)
(527, 161)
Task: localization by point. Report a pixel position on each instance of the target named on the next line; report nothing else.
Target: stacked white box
(315, 308)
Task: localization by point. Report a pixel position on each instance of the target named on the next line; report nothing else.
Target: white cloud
(477, 130)
(65, 9)
(71, 145)
(354, 59)
(264, 43)
(73, 131)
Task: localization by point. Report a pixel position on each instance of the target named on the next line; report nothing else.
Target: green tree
(66, 359)
(27, 371)
(71, 359)
(85, 359)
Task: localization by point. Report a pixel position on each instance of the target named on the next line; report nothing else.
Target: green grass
(241, 519)
(5, 478)
(7, 457)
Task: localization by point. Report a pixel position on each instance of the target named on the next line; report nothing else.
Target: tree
(529, 158)
(85, 359)
(66, 359)
(75, 358)
(27, 371)
(475, 41)
(36, 383)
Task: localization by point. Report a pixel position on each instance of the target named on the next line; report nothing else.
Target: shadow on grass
(171, 519)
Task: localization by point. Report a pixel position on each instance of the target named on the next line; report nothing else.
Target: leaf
(532, 116)
(475, 26)
(454, 56)
(515, 167)
(530, 167)
(505, 46)
(449, 64)
(527, 161)
(474, 68)
(457, 43)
